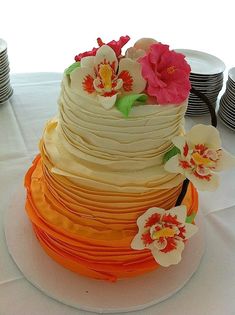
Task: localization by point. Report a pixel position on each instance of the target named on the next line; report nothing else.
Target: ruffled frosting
(96, 174)
(89, 231)
(94, 147)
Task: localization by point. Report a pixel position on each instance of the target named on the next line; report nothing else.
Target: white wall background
(45, 35)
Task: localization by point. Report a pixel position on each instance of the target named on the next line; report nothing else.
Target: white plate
(4, 65)
(206, 81)
(231, 84)
(3, 54)
(208, 92)
(208, 85)
(195, 104)
(3, 58)
(5, 98)
(4, 79)
(231, 74)
(197, 100)
(3, 45)
(224, 122)
(229, 97)
(5, 93)
(197, 114)
(5, 73)
(211, 97)
(224, 100)
(197, 110)
(88, 294)
(201, 103)
(202, 77)
(4, 84)
(229, 105)
(3, 61)
(197, 107)
(227, 118)
(227, 109)
(202, 63)
(228, 122)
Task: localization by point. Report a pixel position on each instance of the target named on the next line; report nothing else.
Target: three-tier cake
(103, 193)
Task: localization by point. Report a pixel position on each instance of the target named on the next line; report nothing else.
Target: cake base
(88, 294)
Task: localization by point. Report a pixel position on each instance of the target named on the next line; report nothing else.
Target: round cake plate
(94, 295)
(202, 63)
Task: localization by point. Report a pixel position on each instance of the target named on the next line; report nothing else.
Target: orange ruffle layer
(88, 231)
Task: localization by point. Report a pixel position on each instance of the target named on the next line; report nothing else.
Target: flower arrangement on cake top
(149, 72)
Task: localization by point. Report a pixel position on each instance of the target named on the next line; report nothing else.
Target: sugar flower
(167, 74)
(104, 77)
(145, 43)
(164, 232)
(115, 45)
(140, 48)
(200, 157)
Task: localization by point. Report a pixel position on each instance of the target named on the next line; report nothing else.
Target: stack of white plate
(206, 77)
(6, 90)
(227, 102)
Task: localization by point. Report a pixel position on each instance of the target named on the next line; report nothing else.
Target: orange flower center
(201, 160)
(165, 232)
(105, 73)
(171, 69)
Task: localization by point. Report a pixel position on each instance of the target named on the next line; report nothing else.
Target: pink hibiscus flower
(166, 73)
(115, 45)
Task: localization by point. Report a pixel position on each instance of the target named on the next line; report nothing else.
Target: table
(210, 291)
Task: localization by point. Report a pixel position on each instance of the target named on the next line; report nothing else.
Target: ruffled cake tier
(90, 231)
(95, 147)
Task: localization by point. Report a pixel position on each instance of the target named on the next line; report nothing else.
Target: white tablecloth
(210, 291)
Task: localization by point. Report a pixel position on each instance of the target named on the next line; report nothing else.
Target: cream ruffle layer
(101, 149)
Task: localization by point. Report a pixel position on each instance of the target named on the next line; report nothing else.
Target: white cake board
(88, 294)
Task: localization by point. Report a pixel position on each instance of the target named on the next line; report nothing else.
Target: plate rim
(186, 51)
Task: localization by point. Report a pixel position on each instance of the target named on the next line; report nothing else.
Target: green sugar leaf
(72, 67)
(191, 218)
(170, 154)
(125, 103)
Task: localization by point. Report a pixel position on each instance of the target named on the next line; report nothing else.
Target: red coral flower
(167, 74)
(115, 45)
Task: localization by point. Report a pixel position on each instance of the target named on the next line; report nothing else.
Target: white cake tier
(100, 148)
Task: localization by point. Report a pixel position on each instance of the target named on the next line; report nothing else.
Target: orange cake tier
(89, 231)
